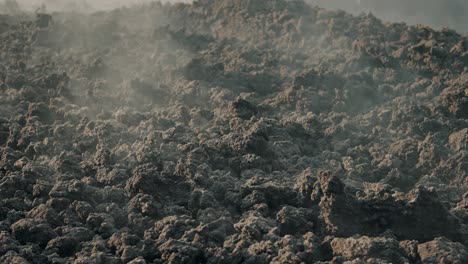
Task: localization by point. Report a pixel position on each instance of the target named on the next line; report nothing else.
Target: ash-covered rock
(231, 132)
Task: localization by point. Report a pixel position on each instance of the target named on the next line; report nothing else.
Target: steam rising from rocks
(79, 5)
(435, 13)
(231, 131)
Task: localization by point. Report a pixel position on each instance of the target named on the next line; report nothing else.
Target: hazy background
(80, 5)
(435, 13)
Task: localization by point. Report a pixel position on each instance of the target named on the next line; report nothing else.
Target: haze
(81, 5)
(435, 13)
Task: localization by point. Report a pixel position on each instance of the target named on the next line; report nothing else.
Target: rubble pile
(231, 131)
(449, 13)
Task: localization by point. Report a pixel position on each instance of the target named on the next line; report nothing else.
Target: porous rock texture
(231, 131)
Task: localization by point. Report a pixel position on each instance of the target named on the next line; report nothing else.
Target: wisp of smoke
(8, 6)
(435, 13)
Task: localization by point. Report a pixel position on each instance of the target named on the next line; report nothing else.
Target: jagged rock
(47, 213)
(424, 217)
(230, 131)
(365, 247)
(459, 140)
(411, 249)
(274, 193)
(82, 209)
(330, 184)
(64, 246)
(295, 220)
(32, 230)
(101, 223)
(80, 234)
(14, 259)
(144, 180)
(138, 260)
(174, 251)
(254, 226)
(455, 101)
(442, 250)
(243, 109)
(8, 243)
(144, 204)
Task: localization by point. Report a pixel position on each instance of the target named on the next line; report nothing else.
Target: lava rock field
(231, 131)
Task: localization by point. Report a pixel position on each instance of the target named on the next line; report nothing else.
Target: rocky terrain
(231, 131)
(436, 13)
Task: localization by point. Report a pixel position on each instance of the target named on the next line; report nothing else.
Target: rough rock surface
(231, 131)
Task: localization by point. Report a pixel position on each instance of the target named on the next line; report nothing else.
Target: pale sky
(56, 5)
